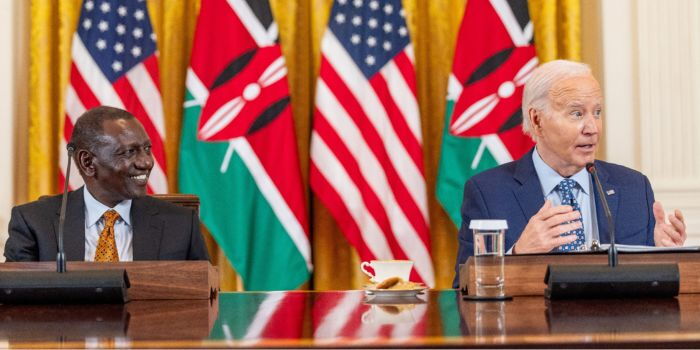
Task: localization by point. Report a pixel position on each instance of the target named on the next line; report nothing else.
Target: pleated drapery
(433, 25)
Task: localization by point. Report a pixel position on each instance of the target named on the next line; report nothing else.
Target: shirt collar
(549, 178)
(94, 209)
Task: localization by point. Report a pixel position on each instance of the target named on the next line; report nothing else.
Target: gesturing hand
(544, 230)
(669, 233)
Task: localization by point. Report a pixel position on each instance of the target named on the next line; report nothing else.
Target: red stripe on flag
(67, 129)
(287, 320)
(376, 145)
(335, 204)
(82, 89)
(354, 320)
(398, 121)
(407, 70)
(421, 326)
(385, 330)
(275, 146)
(151, 65)
(369, 197)
(132, 104)
(209, 55)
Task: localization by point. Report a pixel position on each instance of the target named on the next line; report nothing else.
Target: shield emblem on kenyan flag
(249, 93)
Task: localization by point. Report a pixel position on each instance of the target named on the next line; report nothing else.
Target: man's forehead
(118, 124)
(123, 131)
(115, 127)
(576, 90)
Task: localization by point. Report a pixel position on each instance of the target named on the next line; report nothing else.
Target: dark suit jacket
(162, 231)
(513, 192)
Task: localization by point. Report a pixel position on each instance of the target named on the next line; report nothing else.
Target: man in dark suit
(547, 196)
(110, 218)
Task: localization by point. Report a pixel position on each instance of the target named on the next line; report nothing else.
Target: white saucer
(394, 293)
(371, 299)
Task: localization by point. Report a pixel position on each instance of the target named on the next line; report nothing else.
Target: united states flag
(350, 317)
(115, 63)
(366, 147)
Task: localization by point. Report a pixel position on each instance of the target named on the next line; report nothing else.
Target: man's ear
(85, 161)
(535, 121)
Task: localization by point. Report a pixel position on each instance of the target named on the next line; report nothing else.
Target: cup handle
(363, 266)
(367, 316)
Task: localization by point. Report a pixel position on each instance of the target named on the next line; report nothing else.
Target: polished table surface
(351, 319)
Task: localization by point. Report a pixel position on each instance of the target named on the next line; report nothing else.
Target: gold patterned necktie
(107, 246)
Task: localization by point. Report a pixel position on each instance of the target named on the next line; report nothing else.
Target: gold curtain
(433, 25)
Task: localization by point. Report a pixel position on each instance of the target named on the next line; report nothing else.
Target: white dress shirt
(94, 223)
(549, 179)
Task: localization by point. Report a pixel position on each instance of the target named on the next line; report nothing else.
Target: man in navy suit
(547, 196)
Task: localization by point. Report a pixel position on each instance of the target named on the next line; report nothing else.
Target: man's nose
(590, 124)
(144, 160)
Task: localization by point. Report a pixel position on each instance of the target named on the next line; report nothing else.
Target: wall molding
(651, 82)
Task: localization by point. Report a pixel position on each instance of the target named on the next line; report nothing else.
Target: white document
(625, 248)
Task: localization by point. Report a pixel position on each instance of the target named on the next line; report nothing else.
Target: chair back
(181, 199)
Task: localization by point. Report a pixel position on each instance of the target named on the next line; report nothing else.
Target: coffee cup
(384, 269)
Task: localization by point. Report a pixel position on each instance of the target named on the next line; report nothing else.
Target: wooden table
(524, 274)
(349, 319)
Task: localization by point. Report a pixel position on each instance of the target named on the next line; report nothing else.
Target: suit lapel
(529, 194)
(612, 194)
(147, 230)
(74, 230)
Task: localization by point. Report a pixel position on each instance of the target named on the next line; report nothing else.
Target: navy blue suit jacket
(513, 192)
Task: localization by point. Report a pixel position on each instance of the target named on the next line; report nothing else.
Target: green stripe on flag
(448, 300)
(234, 325)
(236, 212)
(456, 160)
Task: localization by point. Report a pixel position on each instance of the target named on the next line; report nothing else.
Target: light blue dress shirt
(549, 179)
(94, 223)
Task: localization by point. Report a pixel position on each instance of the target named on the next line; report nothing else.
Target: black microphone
(99, 286)
(612, 251)
(61, 255)
(613, 280)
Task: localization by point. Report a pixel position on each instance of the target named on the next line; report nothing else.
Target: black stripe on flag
(261, 9)
(519, 8)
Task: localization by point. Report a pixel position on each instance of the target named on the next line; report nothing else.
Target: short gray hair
(535, 94)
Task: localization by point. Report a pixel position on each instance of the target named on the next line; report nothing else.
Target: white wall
(13, 104)
(7, 119)
(651, 81)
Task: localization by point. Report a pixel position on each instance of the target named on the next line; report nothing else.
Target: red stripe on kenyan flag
(216, 45)
(287, 320)
(275, 146)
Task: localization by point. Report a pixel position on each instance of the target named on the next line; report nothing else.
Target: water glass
(489, 250)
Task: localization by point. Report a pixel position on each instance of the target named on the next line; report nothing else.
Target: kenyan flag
(238, 150)
(494, 57)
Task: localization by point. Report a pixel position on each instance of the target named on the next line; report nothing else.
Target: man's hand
(544, 230)
(669, 233)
